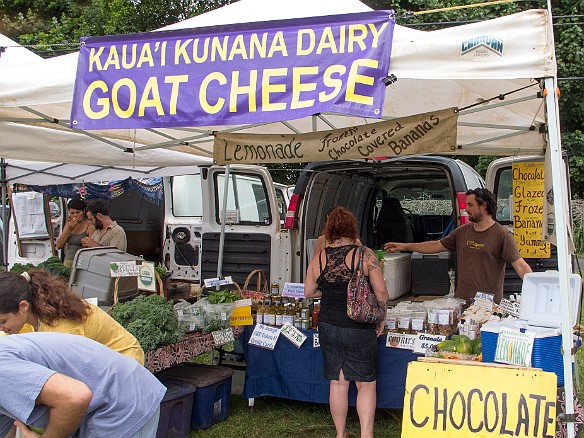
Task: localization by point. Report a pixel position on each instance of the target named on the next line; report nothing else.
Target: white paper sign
(426, 340)
(484, 300)
(293, 334)
(212, 282)
(124, 269)
(264, 336)
(146, 278)
(92, 300)
(400, 340)
(511, 308)
(222, 337)
(514, 346)
(315, 340)
(294, 290)
(30, 214)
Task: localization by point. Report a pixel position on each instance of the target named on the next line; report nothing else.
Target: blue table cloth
(297, 373)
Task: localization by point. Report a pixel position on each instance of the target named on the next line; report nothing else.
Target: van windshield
(186, 195)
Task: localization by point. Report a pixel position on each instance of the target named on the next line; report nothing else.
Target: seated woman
(76, 228)
(41, 302)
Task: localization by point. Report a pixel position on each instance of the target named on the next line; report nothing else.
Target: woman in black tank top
(349, 348)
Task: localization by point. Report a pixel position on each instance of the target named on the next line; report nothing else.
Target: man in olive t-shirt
(482, 249)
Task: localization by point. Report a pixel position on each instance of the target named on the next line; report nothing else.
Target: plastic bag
(190, 316)
(215, 316)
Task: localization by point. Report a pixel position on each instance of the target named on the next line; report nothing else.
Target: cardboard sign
(424, 341)
(212, 282)
(293, 334)
(514, 346)
(124, 269)
(264, 336)
(147, 276)
(452, 400)
(293, 290)
(222, 337)
(400, 340)
(528, 199)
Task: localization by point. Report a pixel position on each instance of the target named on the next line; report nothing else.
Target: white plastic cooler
(541, 295)
(397, 274)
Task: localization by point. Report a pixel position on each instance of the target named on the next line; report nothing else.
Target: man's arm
(521, 267)
(67, 400)
(429, 247)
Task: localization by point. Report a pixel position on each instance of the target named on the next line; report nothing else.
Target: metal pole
(560, 190)
(223, 215)
(4, 182)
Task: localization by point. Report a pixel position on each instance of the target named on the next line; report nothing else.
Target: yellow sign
(528, 198)
(241, 316)
(452, 400)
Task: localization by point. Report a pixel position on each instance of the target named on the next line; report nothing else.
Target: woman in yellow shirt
(38, 301)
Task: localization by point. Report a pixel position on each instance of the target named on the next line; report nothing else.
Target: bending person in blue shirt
(73, 386)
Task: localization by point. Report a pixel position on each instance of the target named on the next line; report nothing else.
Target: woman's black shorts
(352, 350)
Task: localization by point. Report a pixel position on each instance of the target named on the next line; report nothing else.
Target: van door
(254, 238)
(183, 226)
(500, 182)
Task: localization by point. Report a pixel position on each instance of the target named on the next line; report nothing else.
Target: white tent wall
(432, 73)
(428, 65)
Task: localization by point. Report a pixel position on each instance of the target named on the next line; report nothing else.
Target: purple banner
(236, 74)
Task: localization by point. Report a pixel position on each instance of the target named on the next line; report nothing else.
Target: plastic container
(212, 397)
(430, 273)
(175, 409)
(397, 273)
(540, 298)
(546, 353)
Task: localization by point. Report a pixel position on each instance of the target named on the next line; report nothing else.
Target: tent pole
(4, 182)
(559, 179)
(223, 215)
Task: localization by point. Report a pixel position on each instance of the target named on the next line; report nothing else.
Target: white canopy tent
(494, 71)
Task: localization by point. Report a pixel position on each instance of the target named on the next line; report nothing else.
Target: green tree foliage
(52, 23)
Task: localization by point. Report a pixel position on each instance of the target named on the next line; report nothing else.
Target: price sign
(510, 308)
(400, 340)
(124, 269)
(315, 340)
(212, 282)
(293, 334)
(425, 341)
(293, 290)
(222, 337)
(264, 336)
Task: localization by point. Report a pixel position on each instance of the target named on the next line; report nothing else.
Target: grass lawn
(279, 418)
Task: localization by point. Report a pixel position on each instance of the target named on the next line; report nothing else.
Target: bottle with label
(275, 289)
(270, 315)
(260, 312)
(279, 312)
(289, 314)
(315, 311)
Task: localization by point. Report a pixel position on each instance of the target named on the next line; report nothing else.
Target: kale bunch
(151, 319)
(55, 266)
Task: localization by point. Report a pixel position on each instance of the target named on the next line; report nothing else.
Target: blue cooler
(546, 353)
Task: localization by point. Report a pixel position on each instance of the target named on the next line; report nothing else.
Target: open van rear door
(254, 238)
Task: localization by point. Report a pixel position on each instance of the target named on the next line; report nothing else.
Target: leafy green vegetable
(151, 319)
(222, 296)
(53, 265)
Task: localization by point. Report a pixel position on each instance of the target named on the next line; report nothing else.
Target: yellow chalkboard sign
(528, 197)
(455, 400)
